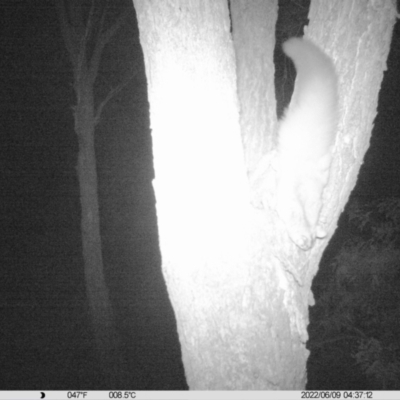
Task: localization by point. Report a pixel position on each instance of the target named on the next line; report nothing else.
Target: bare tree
(85, 38)
(239, 285)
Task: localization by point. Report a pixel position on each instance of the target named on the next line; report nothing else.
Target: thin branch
(113, 92)
(313, 345)
(109, 33)
(103, 39)
(74, 33)
(66, 29)
(84, 39)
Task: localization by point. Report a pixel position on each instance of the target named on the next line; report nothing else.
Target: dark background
(45, 337)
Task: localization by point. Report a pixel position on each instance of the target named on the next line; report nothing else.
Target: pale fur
(306, 137)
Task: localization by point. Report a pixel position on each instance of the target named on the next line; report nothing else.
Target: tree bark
(239, 288)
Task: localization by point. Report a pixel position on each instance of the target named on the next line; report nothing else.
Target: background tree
(85, 36)
(239, 287)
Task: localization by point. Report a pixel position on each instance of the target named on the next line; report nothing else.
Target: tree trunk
(239, 288)
(96, 287)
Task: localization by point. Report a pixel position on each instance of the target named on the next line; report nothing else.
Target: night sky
(45, 337)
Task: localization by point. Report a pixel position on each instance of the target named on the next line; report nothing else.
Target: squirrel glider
(306, 138)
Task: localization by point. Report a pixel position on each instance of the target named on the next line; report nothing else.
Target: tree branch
(113, 92)
(66, 30)
(103, 39)
(313, 345)
(75, 34)
(84, 39)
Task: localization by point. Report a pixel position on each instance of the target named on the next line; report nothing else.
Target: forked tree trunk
(239, 287)
(85, 39)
